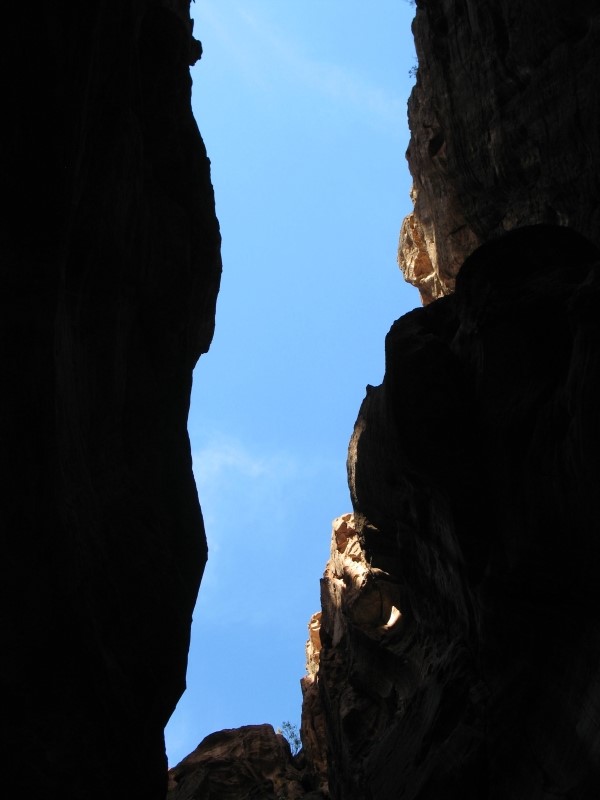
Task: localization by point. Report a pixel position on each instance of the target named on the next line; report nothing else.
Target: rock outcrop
(504, 119)
(110, 271)
(239, 764)
(459, 640)
(460, 634)
(312, 729)
(456, 655)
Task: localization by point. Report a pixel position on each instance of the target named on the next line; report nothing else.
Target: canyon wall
(456, 655)
(457, 651)
(459, 636)
(110, 271)
(460, 640)
(504, 128)
(253, 761)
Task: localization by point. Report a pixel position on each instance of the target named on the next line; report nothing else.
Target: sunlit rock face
(312, 729)
(504, 120)
(239, 764)
(460, 638)
(110, 270)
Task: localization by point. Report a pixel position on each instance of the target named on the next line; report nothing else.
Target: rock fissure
(456, 652)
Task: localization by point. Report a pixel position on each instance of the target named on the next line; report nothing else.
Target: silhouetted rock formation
(457, 653)
(460, 633)
(240, 764)
(460, 643)
(110, 270)
(504, 120)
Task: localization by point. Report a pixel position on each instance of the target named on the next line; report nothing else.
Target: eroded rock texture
(110, 270)
(460, 632)
(460, 649)
(504, 120)
(312, 728)
(238, 764)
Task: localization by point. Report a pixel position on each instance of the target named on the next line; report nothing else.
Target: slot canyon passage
(457, 650)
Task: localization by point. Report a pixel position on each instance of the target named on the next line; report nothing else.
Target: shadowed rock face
(504, 120)
(473, 470)
(110, 270)
(238, 764)
(459, 640)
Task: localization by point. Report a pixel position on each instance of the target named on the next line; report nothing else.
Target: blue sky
(302, 106)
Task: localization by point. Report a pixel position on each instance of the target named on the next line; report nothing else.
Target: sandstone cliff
(110, 270)
(460, 635)
(248, 762)
(457, 651)
(456, 654)
(504, 120)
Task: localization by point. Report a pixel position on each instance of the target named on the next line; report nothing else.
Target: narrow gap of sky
(302, 107)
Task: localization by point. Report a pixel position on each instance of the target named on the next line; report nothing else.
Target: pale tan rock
(312, 727)
(355, 593)
(313, 645)
(417, 257)
(360, 604)
(430, 240)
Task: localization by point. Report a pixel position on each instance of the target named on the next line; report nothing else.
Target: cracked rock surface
(460, 639)
(504, 121)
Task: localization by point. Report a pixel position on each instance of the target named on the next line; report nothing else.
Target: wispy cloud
(239, 486)
(263, 52)
(226, 27)
(223, 455)
(336, 82)
(226, 469)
